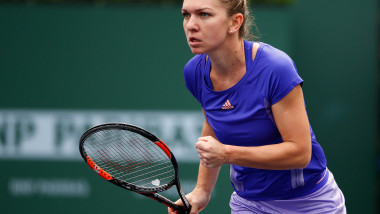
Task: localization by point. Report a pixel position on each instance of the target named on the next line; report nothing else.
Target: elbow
(297, 159)
(300, 156)
(303, 159)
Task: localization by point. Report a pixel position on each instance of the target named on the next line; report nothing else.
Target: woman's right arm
(206, 181)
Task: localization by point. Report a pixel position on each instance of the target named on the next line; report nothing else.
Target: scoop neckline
(249, 64)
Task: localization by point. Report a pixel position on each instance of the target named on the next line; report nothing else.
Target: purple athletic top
(242, 116)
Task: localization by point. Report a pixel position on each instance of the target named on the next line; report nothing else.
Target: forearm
(286, 155)
(207, 178)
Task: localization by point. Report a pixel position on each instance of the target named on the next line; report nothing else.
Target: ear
(236, 22)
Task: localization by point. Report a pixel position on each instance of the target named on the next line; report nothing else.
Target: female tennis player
(255, 118)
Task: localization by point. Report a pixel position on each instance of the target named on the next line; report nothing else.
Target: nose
(192, 25)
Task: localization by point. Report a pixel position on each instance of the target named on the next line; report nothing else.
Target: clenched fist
(211, 152)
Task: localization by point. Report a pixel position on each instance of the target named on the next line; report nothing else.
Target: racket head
(129, 157)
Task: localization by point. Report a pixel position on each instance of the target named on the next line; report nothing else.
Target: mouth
(193, 41)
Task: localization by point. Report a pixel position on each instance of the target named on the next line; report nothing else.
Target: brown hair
(241, 6)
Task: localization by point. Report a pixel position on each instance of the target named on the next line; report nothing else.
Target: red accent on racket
(164, 147)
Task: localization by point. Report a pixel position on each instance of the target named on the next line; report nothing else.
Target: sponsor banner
(49, 187)
(38, 187)
(54, 135)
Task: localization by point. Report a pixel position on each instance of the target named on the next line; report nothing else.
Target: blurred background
(68, 65)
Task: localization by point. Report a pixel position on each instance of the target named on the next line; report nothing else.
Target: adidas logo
(227, 105)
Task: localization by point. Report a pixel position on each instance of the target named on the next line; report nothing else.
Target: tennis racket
(134, 159)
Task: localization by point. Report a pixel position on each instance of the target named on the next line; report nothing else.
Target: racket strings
(103, 154)
(129, 167)
(132, 164)
(138, 153)
(106, 148)
(130, 157)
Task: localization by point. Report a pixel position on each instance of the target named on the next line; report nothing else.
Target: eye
(185, 15)
(205, 15)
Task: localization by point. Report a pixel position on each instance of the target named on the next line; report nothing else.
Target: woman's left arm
(295, 152)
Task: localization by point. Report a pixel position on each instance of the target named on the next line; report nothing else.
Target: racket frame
(150, 192)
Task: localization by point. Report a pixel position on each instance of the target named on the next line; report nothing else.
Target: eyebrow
(198, 10)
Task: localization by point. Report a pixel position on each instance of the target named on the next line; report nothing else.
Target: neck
(228, 57)
(227, 65)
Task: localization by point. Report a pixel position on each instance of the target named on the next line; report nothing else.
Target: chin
(197, 51)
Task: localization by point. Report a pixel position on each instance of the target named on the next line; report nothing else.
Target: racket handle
(167, 202)
(183, 210)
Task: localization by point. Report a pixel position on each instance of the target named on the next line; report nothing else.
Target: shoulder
(275, 63)
(193, 73)
(192, 69)
(280, 71)
(194, 63)
(276, 58)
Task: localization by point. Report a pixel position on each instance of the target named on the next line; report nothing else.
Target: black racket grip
(183, 209)
(167, 202)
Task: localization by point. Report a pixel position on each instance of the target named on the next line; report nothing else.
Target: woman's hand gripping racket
(134, 159)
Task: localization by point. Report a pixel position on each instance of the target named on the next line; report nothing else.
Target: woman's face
(205, 23)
